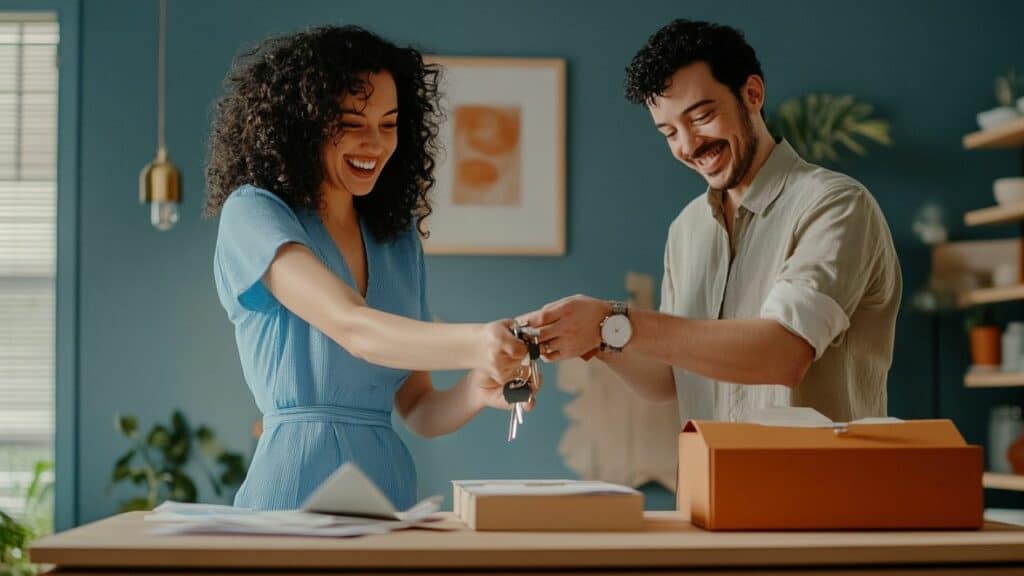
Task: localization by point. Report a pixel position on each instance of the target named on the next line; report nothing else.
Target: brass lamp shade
(160, 187)
(160, 181)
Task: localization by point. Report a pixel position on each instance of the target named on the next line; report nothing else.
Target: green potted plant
(825, 127)
(16, 535)
(158, 458)
(14, 540)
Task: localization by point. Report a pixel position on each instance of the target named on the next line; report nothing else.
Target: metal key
(519, 390)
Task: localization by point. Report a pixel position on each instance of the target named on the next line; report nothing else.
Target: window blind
(28, 215)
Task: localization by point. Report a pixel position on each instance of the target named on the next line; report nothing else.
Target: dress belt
(342, 414)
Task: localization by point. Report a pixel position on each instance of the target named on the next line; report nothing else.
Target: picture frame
(500, 178)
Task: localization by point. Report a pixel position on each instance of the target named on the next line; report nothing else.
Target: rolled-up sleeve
(834, 249)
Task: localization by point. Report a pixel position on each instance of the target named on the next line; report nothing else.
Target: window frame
(65, 447)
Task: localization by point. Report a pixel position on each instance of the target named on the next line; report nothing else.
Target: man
(781, 283)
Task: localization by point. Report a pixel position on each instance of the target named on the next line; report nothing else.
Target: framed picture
(500, 185)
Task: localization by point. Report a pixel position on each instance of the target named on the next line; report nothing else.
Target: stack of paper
(346, 504)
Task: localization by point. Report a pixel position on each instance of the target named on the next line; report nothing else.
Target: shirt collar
(767, 184)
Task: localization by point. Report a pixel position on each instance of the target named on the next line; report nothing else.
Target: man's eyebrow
(697, 105)
(689, 109)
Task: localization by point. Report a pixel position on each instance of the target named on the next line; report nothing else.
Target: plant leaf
(205, 434)
(127, 424)
(845, 139)
(177, 452)
(178, 423)
(234, 468)
(208, 443)
(818, 125)
(36, 488)
(121, 471)
(182, 488)
(159, 437)
(211, 449)
(139, 476)
(123, 461)
(875, 130)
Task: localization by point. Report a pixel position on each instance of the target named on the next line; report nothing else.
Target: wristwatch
(616, 329)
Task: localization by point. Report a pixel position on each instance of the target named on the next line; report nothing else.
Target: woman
(320, 163)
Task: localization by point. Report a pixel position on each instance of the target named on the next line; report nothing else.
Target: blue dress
(321, 406)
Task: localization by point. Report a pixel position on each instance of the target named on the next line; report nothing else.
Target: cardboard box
(904, 475)
(547, 505)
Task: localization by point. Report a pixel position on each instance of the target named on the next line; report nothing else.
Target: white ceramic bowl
(1005, 275)
(991, 118)
(1009, 190)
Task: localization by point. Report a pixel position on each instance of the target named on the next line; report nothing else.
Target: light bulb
(163, 214)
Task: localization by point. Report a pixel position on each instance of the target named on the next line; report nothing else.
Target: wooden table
(669, 543)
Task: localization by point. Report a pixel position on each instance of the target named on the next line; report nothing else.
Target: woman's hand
(490, 393)
(499, 353)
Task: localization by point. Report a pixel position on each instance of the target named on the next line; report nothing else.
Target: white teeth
(363, 164)
(711, 155)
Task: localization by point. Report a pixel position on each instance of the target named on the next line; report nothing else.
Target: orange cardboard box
(903, 475)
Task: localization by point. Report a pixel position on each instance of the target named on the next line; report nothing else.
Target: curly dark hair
(282, 101)
(683, 42)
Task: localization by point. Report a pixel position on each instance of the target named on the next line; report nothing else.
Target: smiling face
(707, 127)
(354, 158)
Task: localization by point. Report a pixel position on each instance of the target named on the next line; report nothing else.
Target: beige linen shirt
(811, 250)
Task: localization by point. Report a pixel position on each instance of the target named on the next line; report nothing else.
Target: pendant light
(160, 180)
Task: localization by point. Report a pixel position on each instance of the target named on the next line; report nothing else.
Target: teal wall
(151, 335)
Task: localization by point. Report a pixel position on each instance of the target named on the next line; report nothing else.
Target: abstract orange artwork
(486, 152)
(500, 172)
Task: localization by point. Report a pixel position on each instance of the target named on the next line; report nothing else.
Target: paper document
(346, 504)
(803, 417)
(350, 493)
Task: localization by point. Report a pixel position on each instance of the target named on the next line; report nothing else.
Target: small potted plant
(1007, 87)
(17, 534)
(985, 338)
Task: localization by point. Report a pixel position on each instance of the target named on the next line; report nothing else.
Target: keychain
(519, 391)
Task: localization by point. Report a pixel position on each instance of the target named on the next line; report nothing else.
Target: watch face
(616, 330)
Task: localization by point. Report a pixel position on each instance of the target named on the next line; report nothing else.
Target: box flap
(907, 434)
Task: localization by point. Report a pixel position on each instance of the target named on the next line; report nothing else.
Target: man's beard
(744, 158)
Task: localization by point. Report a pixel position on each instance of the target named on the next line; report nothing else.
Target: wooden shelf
(1008, 135)
(994, 379)
(1003, 481)
(990, 295)
(995, 215)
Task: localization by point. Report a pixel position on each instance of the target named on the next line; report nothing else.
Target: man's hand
(570, 327)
